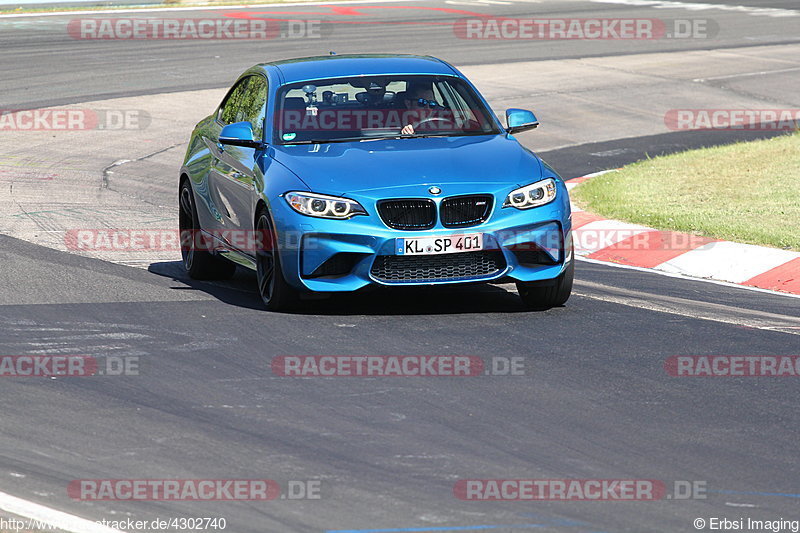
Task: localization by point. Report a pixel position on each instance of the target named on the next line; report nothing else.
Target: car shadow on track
(478, 298)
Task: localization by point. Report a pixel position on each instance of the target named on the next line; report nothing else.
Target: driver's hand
(407, 130)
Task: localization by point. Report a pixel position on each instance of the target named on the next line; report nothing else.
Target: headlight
(534, 195)
(322, 206)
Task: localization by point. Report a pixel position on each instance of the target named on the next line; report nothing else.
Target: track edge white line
(58, 519)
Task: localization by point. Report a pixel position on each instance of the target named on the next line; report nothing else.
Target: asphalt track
(595, 400)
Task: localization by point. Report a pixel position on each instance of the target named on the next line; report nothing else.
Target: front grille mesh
(462, 211)
(429, 268)
(408, 214)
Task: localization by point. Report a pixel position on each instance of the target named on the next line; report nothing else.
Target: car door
(207, 197)
(226, 216)
(236, 167)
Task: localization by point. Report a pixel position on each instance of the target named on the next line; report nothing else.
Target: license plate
(433, 245)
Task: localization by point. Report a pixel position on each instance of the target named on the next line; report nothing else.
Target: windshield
(375, 107)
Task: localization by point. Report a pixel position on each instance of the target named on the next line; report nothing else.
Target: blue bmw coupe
(331, 174)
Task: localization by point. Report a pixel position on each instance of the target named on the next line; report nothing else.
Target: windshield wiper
(326, 141)
(418, 136)
(388, 137)
(455, 134)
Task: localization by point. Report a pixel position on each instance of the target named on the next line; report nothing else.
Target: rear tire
(543, 295)
(199, 263)
(275, 292)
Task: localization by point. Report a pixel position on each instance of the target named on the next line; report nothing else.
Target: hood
(410, 166)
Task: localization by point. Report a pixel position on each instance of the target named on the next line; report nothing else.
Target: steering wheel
(431, 119)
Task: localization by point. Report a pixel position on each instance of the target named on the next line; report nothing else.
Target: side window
(254, 105)
(231, 109)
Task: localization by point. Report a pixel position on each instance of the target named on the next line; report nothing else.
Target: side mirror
(239, 134)
(520, 120)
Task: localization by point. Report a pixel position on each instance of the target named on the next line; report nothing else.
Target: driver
(418, 97)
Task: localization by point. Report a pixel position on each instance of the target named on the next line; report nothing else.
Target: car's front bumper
(529, 245)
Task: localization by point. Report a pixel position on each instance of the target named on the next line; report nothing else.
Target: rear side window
(231, 110)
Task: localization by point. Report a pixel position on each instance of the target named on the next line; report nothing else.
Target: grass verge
(745, 192)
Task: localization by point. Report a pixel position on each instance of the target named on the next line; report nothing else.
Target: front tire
(198, 261)
(543, 295)
(275, 292)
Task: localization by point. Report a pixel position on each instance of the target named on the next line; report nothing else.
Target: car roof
(334, 66)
